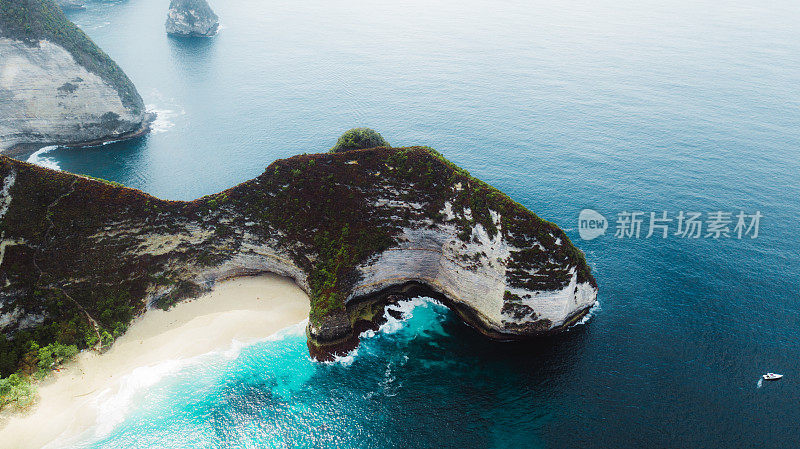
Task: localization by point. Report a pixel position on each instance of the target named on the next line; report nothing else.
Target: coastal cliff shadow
(544, 354)
(191, 53)
(537, 356)
(434, 371)
(117, 161)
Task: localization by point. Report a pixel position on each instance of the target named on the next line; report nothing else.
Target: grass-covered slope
(33, 20)
(81, 257)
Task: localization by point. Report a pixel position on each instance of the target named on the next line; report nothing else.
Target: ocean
(619, 107)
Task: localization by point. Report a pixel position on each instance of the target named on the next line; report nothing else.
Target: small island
(191, 18)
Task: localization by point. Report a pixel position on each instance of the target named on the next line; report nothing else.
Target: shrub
(106, 339)
(55, 354)
(358, 139)
(90, 337)
(17, 391)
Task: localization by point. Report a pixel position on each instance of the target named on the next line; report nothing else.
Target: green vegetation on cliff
(88, 254)
(33, 20)
(63, 319)
(359, 139)
(325, 205)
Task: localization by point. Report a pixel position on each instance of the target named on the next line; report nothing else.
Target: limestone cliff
(56, 85)
(191, 18)
(352, 229)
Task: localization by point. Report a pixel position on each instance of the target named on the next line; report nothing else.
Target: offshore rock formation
(80, 257)
(191, 18)
(56, 85)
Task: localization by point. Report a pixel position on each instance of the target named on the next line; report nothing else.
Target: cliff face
(191, 18)
(350, 228)
(56, 85)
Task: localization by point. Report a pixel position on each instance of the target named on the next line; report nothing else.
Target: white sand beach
(242, 309)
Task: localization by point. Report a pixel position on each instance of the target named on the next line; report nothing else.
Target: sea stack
(191, 18)
(56, 86)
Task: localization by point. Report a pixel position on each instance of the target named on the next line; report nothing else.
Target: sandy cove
(242, 309)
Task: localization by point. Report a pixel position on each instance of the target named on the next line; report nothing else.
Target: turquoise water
(611, 106)
(271, 394)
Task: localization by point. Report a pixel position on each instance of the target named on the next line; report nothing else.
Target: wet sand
(70, 401)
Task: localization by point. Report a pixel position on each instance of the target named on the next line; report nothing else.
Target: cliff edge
(56, 85)
(80, 257)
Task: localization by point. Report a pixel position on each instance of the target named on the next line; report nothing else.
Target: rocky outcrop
(57, 86)
(352, 229)
(191, 18)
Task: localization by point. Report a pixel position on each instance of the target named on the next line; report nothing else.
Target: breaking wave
(40, 158)
(165, 117)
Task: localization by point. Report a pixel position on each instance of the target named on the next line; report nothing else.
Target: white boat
(771, 376)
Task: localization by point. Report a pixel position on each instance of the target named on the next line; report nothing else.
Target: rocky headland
(56, 86)
(191, 18)
(79, 257)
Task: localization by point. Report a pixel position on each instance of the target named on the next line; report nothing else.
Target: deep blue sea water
(614, 106)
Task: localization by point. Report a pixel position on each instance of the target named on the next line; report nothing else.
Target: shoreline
(26, 149)
(243, 309)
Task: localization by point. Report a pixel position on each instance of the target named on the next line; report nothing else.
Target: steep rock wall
(56, 86)
(191, 18)
(345, 227)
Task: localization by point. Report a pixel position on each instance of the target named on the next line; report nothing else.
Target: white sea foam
(344, 360)
(392, 325)
(40, 158)
(595, 308)
(109, 142)
(406, 309)
(114, 404)
(236, 346)
(165, 116)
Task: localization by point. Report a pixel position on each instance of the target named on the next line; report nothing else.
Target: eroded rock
(398, 222)
(191, 18)
(57, 86)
